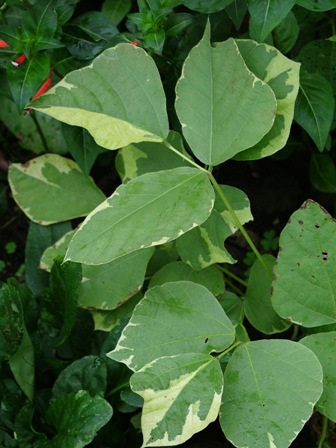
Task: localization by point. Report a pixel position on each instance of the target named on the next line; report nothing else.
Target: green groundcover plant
(130, 307)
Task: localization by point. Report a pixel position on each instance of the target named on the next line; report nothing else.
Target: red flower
(44, 87)
(135, 43)
(3, 44)
(19, 60)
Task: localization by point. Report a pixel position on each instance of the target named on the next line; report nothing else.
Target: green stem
(232, 275)
(118, 388)
(238, 224)
(228, 350)
(233, 287)
(184, 157)
(39, 129)
(324, 432)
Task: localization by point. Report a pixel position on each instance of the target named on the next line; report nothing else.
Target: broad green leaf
(77, 418)
(24, 81)
(286, 33)
(257, 304)
(304, 289)
(150, 210)
(314, 108)
(323, 345)
(266, 15)
(206, 6)
(222, 106)
(52, 189)
(88, 373)
(11, 322)
(140, 158)
(110, 285)
(25, 130)
(322, 173)
(177, 405)
(106, 286)
(268, 382)
(204, 245)
(128, 107)
(81, 146)
(210, 277)
(317, 5)
(282, 76)
(116, 10)
(175, 318)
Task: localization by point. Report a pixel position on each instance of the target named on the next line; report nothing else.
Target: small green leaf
(236, 11)
(77, 418)
(51, 188)
(22, 365)
(210, 277)
(87, 373)
(11, 322)
(286, 33)
(117, 110)
(263, 381)
(314, 108)
(304, 289)
(323, 345)
(175, 318)
(222, 106)
(25, 80)
(177, 403)
(258, 307)
(233, 306)
(317, 5)
(149, 210)
(266, 15)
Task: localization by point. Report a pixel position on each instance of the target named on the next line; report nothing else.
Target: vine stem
(227, 204)
(233, 276)
(324, 432)
(228, 350)
(237, 223)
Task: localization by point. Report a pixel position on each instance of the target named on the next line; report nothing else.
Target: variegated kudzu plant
(190, 354)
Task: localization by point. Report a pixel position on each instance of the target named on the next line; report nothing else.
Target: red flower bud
(3, 44)
(19, 60)
(44, 87)
(135, 43)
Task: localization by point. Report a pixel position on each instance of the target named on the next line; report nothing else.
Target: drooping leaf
(76, 417)
(206, 6)
(266, 15)
(175, 318)
(117, 110)
(257, 304)
(22, 365)
(314, 108)
(87, 373)
(210, 277)
(222, 106)
(51, 188)
(236, 11)
(263, 380)
(304, 289)
(116, 10)
(282, 76)
(140, 158)
(177, 405)
(323, 345)
(204, 245)
(317, 5)
(149, 210)
(322, 173)
(24, 81)
(286, 33)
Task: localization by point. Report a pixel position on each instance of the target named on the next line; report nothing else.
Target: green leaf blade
(105, 105)
(177, 317)
(176, 403)
(149, 210)
(263, 380)
(217, 88)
